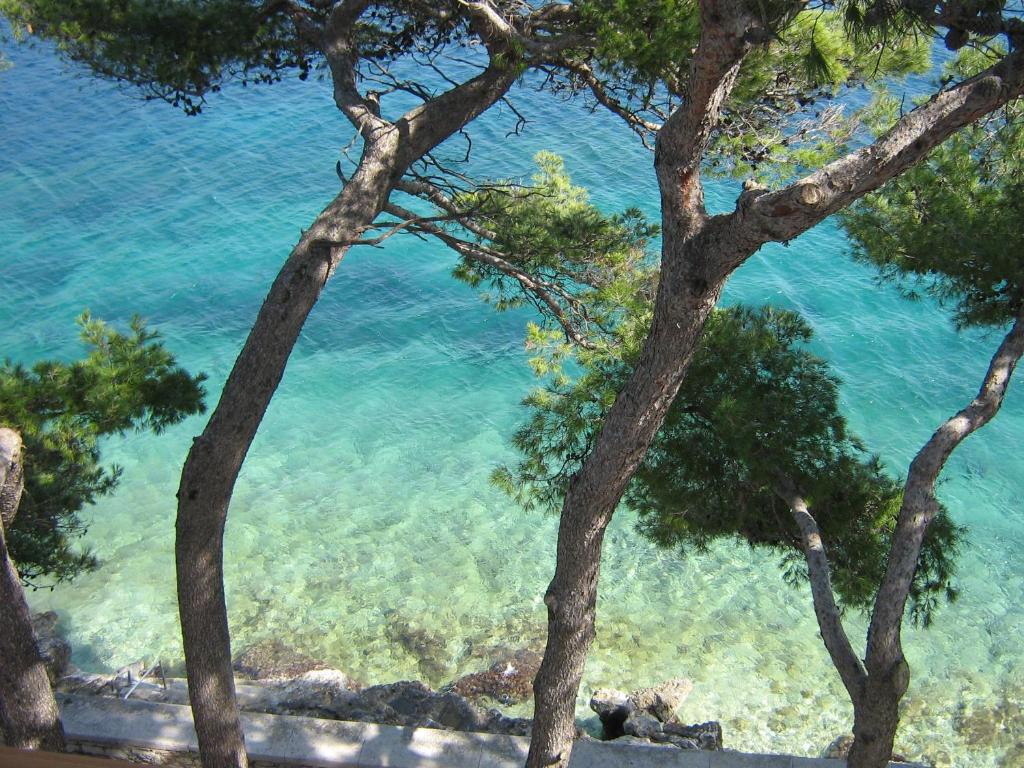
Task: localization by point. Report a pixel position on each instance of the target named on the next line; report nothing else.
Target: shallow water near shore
(363, 530)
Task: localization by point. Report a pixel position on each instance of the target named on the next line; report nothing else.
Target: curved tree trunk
(876, 712)
(685, 300)
(216, 457)
(698, 254)
(28, 712)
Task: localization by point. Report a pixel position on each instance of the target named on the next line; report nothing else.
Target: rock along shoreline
(274, 679)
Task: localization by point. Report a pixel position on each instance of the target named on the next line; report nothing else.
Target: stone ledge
(123, 728)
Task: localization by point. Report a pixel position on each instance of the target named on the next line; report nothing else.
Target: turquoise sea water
(363, 528)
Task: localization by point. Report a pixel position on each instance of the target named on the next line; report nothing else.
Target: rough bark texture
(698, 254)
(28, 711)
(689, 288)
(216, 456)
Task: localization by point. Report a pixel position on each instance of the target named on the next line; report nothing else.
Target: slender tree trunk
(216, 456)
(876, 711)
(837, 642)
(698, 254)
(685, 299)
(28, 712)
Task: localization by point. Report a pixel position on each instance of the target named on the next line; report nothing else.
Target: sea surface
(363, 529)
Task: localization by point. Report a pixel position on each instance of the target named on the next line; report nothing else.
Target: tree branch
(340, 49)
(763, 216)
(645, 129)
(727, 33)
(919, 503)
(837, 642)
(517, 32)
(434, 194)
(479, 253)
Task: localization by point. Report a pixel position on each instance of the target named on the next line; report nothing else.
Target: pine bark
(28, 712)
(216, 456)
(698, 255)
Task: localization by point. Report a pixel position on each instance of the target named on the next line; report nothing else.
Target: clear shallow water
(363, 528)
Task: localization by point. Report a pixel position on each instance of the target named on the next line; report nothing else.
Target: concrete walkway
(114, 727)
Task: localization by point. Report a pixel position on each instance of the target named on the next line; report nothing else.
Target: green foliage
(643, 40)
(782, 117)
(126, 382)
(755, 407)
(175, 50)
(592, 264)
(392, 29)
(952, 227)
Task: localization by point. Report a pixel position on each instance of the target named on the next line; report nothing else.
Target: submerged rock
(272, 659)
(507, 680)
(429, 649)
(650, 714)
(55, 650)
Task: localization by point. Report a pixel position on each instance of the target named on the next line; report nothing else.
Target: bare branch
(919, 503)
(837, 642)
(532, 285)
(495, 27)
(645, 129)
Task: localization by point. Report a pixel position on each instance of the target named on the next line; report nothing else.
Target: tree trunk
(876, 716)
(698, 254)
(28, 712)
(685, 300)
(216, 457)
(876, 711)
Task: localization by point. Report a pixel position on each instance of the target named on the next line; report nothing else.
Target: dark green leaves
(756, 406)
(952, 227)
(589, 263)
(127, 381)
(175, 50)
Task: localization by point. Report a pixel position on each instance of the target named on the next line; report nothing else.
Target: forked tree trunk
(28, 712)
(876, 717)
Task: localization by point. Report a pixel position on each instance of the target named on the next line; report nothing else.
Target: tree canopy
(756, 410)
(952, 227)
(126, 381)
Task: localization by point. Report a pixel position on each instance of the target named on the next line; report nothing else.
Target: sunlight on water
(363, 528)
